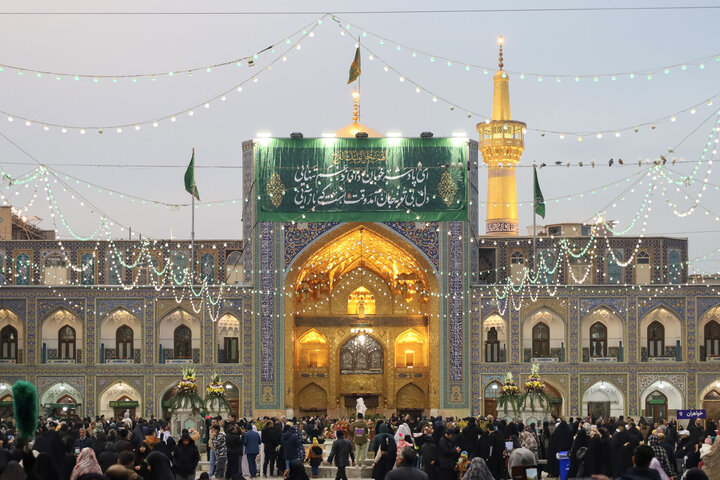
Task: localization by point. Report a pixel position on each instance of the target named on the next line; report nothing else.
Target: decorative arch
(109, 326)
(313, 350)
(365, 278)
(709, 330)
(361, 353)
(60, 393)
(603, 399)
(672, 332)
(594, 347)
(556, 342)
(675, 397)
(119, 392)
(710, 399)
(167, 328)
(50, 327)
(411, 397)
(312, 399)
(11, 348)
(494, 338)
(410, 349)
(228, 336)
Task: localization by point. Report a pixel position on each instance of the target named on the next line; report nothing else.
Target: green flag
(539, 199)
(190, 186)
(355, 67)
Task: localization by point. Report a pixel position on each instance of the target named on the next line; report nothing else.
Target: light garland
(699, 64)
(248, 60)
(173, 117)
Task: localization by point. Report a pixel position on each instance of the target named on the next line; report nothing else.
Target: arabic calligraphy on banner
(352, 179)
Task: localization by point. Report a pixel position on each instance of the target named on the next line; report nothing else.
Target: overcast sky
(307, 93)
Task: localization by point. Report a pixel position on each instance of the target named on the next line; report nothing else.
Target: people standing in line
(341, 453)
(252, 449)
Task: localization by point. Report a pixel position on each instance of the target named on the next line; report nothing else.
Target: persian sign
(311, 180)
(690, 414)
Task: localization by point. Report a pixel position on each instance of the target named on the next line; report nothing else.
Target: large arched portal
(362, 316)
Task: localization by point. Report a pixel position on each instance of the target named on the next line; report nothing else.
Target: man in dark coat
(448, 455)
(406, 467)
(291, 442)
(234, 441)
(341, 452)
(185, 457)
(83, 440)
(270, 440)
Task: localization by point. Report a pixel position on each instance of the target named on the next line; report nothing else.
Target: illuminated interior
(410, 350)
(313, 350)
(361, 302)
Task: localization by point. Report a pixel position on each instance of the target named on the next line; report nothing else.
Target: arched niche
(412, 400)
(312, 351)
(710, 398)
(11, 349)
(667, 322)
(532, 327)
(603, 399)
(672, 394)
(362, 353)
(491, 392)
(601, 332)
(61, 399)
(312, 400)
(410, 349)
(118, 398)
(167, 333)
(229, 338)
(50, 328)
(494, 334)
(361, 277)
(709, 332)
(114, 338)
(55, 269)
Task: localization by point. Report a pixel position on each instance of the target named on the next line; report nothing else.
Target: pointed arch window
(182, 342)
(598, 340)
(541, 340)
(712, 339)
(124, 342)
(656, 339)
(66, 343)
(8, 343)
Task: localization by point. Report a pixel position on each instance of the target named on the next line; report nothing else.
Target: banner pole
(192, 226)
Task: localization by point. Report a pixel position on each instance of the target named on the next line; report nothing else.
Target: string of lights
(243, 60)
(698, 64)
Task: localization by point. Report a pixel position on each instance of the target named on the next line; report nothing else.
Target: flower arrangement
(215, 399)
(509, 395)
(535, 389)
(186, 393)
(342, 424)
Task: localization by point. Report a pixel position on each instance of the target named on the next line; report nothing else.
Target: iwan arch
(361, 316)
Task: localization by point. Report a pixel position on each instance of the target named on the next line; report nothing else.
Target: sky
(308, 93)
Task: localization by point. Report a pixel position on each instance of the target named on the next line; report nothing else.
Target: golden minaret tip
(500, 44)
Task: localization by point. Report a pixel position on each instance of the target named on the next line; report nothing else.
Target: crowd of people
(391, 448)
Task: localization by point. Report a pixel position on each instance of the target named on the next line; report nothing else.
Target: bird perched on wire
(610, 162)
(620, 161)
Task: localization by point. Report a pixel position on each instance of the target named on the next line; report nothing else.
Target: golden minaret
(502, 142)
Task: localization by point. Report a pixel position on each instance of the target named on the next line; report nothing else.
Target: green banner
(371, 179)
(123, 404)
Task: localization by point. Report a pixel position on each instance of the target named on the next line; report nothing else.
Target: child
(315, 457)
(463, 464)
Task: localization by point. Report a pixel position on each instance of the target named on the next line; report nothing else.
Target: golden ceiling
(361, 247)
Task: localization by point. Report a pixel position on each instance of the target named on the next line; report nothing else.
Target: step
(327, 471)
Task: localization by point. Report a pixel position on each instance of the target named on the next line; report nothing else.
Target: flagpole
(192, 227)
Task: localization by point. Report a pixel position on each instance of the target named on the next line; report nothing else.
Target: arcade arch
(709, 331)
(179, 338)
(229, 338)
(61, 399)
(603, 399)
(118, 398)
(660, 332)
(121, 337)
(543, 334)
(62, 337)
(494, 331)
(12, 337)
(360, 281)
(660, 397)
(601, 332)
